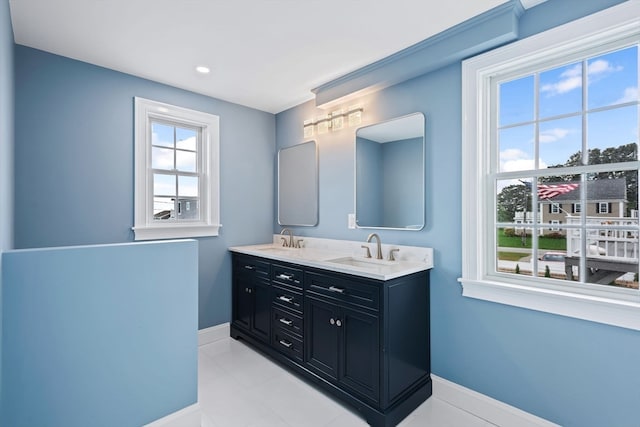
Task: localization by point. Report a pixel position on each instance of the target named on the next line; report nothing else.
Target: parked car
(553, 256)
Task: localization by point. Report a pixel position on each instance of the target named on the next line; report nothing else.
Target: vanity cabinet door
(252, 297)
(343, 344)
(261, 313)
(360, 352)
(321, 337)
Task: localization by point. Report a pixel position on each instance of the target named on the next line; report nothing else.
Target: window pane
(561, 142)
(186, 161)
(164, 185)
(513, 200)
(513, 253)
(186, 139)
(161, 134)
(516, 101)
(188, 186)
(516, 148)
(162, 158)
(612, 135)
(614, 193)
(163, 208)
(613, 78)
(561, 90)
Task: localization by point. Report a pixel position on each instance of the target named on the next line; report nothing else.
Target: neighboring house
(187, 209)
(605, 198)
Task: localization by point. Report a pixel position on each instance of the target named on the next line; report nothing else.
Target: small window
(555, 208)
(577, 208)
(554, 222)
(603, 208)
(176, 172)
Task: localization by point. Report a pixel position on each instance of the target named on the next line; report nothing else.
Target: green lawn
(543, 242)
(511, 256)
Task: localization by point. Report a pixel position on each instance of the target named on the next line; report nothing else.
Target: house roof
(598, 189)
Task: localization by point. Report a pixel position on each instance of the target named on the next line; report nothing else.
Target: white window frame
(577, 207)
(479, 280)
(555, 207)
(604, 210)
(554, 225)
(145, 227)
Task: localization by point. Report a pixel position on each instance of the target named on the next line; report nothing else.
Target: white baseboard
(213, 334)
(483, 406)
(186, 417)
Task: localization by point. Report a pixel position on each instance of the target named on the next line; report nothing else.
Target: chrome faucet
(371, 236)
(284, 241)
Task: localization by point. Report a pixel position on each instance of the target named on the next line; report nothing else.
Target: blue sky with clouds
(612, 79)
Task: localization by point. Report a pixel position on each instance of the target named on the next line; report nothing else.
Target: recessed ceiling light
(202, 69)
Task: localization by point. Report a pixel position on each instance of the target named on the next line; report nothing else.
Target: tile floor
(238, 387)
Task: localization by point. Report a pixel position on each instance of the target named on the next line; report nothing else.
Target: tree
(513, 198)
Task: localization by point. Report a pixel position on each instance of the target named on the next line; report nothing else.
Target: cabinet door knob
(338, 323)
(332, 321)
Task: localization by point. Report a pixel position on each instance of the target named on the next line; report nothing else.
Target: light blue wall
(100, 335)
(403, 180)
(74, 165)
(6, 144)
(569, 371)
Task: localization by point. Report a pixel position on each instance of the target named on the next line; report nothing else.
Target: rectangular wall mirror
(298, 185)
(390, 174)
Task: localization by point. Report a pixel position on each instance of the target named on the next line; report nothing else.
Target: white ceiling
(265, 54)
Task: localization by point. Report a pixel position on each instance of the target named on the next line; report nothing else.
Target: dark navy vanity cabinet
(364, 341)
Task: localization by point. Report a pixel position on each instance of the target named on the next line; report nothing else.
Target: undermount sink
(278, 250)
(363, 263)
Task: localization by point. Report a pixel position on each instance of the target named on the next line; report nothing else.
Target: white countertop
(345, 257)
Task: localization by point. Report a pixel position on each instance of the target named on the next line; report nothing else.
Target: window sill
(625, 314)
(175, 231)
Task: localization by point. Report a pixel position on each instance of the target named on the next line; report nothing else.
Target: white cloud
(513, 159)
(571, 78)
(630, 95)
(553, 135)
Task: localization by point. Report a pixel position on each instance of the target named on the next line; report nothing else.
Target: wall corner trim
(485, 407)
(483, 32)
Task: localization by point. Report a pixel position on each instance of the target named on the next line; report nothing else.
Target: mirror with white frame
(298, 185)
(389, 165)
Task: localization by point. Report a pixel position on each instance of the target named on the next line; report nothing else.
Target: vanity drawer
(287, 343)
(286, 275)
(346, 290)
(287, 298)
(252, 266)
(284, 320)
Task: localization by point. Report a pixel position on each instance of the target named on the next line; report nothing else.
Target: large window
(551, 123)
(177, 180)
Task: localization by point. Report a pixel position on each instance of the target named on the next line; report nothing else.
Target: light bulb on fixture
(354, 115)
(337, 120)
(308, 128)
(323, 124)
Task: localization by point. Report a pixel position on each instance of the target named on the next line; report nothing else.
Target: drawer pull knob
(332, 321)
(336, 289)
(285, 276)
(286, 321)
(338, 323)
(286, 343)
(285, 299)
(249, 267)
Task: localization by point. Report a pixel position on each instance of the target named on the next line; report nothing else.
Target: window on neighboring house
(603, 208)
(549, 118)
(176, 172)
(554, 225)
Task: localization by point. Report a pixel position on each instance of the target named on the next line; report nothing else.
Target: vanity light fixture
(323, 124)
(308, 128)
(333, 121)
